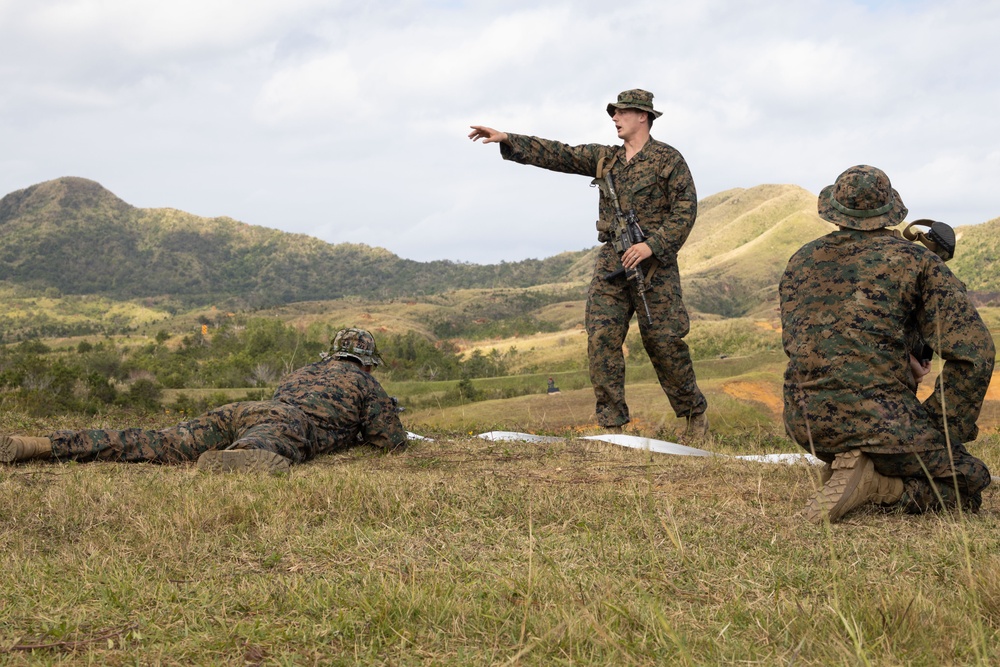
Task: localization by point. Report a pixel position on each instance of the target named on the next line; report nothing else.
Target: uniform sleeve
(950, 323)
(381, 426)
(666, 239)
(553, 155)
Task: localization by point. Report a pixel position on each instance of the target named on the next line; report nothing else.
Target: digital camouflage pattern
(321, 408)
(634, 99)
(850, 304)
(861, 198)
(355, 344)
(657, 185)
(971, 476)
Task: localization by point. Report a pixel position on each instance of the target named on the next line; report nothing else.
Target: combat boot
(244, 460)
(696, 429)
(19, 448)
(854, 482)
(825, 474)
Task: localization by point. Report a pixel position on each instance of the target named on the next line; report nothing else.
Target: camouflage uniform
(657, 185)
(321, 408)
(850, 302)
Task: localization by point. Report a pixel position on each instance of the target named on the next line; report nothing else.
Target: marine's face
(628, 122)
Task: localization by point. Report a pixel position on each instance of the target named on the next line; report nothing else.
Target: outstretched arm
(487, 134)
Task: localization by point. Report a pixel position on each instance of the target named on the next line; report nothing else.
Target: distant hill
(978, 255)
(741, 243)
(73, 236)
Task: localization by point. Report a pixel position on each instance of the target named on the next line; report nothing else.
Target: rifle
(625, 234)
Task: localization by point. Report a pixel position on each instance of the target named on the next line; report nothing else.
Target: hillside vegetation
(71, 237)
(75, 237)
(733, 259)
(977, 256)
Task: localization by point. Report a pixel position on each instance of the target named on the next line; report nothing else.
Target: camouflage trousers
(934, 480)
(271, 425)
(610, 306)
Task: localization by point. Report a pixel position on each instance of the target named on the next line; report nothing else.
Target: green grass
(465, 552)
(462, 551)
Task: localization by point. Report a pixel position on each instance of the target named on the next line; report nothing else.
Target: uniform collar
(640, 155)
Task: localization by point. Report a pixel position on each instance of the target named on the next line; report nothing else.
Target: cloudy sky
(348, 121)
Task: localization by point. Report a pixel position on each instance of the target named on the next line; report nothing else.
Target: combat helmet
(355, 344)
(862, 198)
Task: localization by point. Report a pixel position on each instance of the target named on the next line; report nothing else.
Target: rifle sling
(604, 165)
(652, 269)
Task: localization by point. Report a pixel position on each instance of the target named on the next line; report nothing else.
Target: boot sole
(244, 460)
(830, 501)
(8, 449)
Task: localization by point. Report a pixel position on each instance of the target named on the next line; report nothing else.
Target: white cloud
(145, 28)
(314, 90)
(348, 121)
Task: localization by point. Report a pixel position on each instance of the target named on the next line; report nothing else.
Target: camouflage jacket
(656, 183)
(850, 302)
(347, 405)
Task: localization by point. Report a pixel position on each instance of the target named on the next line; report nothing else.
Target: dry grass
(463, 551)
(571, 412)
(561, 349)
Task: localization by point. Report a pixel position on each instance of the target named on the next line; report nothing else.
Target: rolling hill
(739, 246)
(71, 236)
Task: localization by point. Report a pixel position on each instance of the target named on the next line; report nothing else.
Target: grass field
(462, 551)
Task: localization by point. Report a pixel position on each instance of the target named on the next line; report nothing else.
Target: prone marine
(327, 406)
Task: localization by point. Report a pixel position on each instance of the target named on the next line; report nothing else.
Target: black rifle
(625, 234)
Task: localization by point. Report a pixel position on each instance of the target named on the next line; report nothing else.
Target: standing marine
(654, 187)
(328, 406)
(851, 304)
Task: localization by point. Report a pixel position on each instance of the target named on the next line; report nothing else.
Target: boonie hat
(355, 344)
(634, 99)
(862, 198)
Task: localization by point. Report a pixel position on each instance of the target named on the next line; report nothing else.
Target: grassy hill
(733, 259)
(977, 255)
(72, 238)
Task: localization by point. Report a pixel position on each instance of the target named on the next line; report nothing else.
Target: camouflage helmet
(862, 198)
(355, 344)
(634, 99)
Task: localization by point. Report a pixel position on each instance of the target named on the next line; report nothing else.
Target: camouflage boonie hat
(862, 198)
(355, 344)
(634, 99)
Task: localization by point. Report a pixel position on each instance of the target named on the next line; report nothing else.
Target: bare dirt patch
(764, 393)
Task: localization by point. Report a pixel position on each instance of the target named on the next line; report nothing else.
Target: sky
(349, 121)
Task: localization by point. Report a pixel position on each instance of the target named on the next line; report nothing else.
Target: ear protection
(939, 237)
